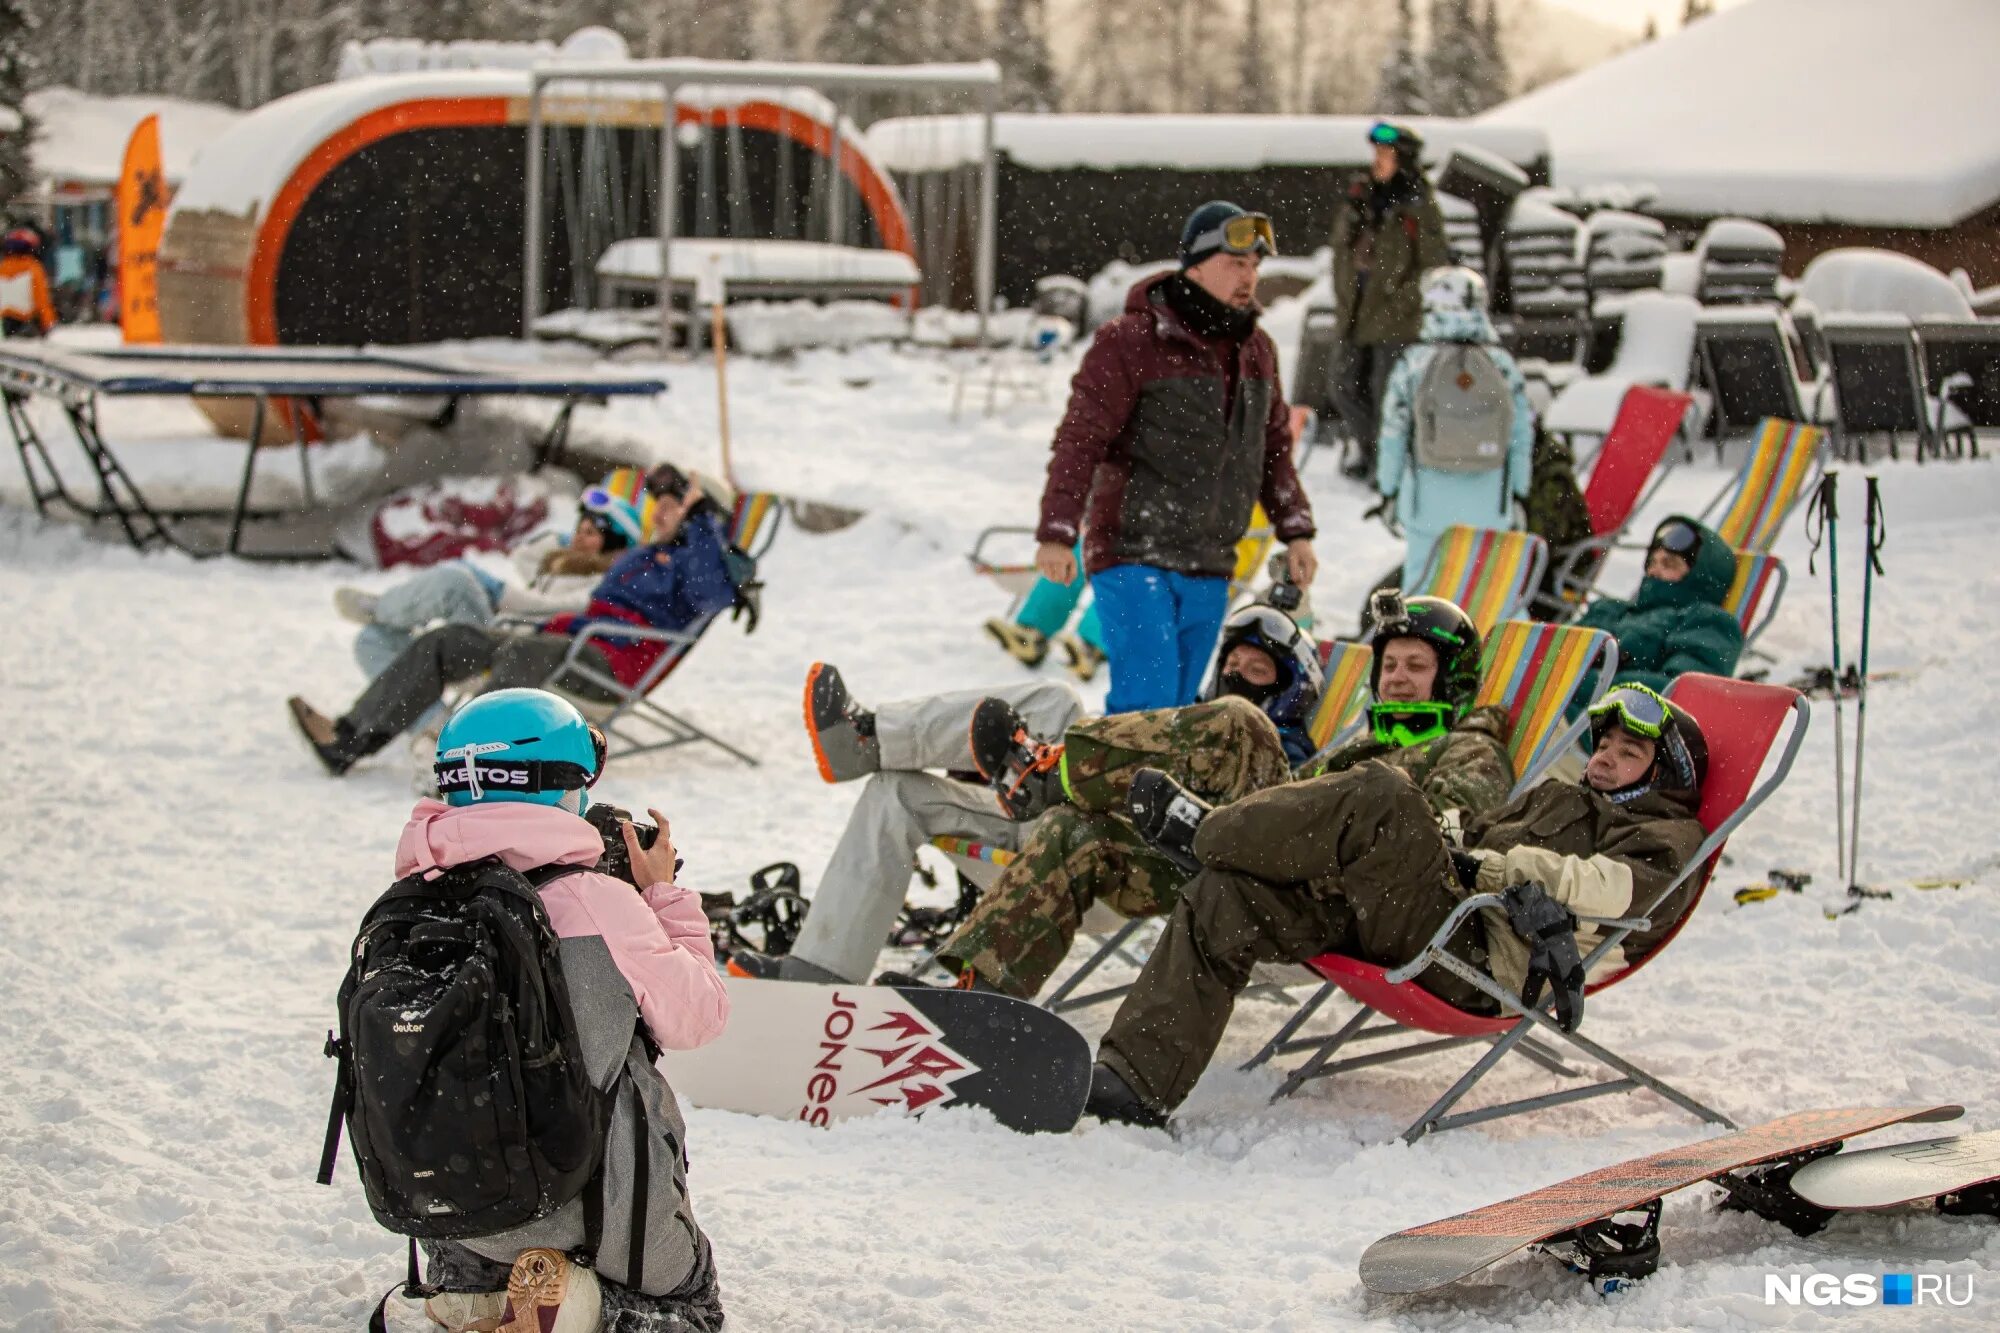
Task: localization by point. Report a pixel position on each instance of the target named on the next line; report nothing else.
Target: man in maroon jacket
(1176, 428)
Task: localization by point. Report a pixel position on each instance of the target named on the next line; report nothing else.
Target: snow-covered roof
(1869, 112)
(259, 153)
(1056, 141)
(82, 137)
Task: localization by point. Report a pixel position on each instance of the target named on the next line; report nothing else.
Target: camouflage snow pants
(1086, 851)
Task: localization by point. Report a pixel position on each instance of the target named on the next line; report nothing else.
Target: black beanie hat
(1209, 217)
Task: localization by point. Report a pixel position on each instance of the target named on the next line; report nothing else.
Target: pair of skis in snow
(1788, 1170)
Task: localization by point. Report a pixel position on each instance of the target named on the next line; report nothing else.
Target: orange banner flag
(142, 220)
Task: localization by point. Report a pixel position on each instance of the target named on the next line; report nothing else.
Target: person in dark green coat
(1676, 624)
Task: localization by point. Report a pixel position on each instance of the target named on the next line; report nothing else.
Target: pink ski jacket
(657, 938)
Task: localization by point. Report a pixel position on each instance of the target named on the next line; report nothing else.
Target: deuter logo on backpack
(1464, 412)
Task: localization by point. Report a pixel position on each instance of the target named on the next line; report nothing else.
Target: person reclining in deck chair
(1354, 863)
(1425, 675)
(558, 572)
(1263, 664)
(675, 582)
(1676, 624)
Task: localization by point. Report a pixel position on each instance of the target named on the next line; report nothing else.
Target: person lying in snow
(1676, 624)
(1264, 664)
(622, 952)
(675, 582)
(1425, 675)
(1355, 863)
(558, 572)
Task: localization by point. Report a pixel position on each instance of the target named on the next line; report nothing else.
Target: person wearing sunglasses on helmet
(1456, 432)
(557, 573)
(1676, 623)
(1424, 676)
(1356, 863)
(675, 582)
(1176, 429)
(1387, 234)
(650, 947)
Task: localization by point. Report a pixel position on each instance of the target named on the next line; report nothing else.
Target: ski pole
(1877, 533)
(1822, 524)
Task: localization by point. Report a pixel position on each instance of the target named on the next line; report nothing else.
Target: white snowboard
(1885, 1177)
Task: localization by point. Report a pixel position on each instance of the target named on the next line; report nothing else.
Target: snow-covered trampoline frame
(75, 379)
(672, 75)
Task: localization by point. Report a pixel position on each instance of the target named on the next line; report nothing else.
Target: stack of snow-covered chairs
(1655, 347)
(1740, 262)
(1623, 251)
(1461, 232)
(1543, 244)
(1749, 367)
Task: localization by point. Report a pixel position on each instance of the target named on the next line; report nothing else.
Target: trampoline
(75, 378)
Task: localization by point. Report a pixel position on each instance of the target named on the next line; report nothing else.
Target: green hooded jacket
(1673, 628)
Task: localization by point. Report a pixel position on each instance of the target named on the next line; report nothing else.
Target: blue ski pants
(1160, 630)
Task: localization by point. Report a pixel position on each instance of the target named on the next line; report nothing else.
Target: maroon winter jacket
(1168, 461)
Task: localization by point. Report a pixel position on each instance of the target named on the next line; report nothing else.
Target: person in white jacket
(1457, 436)
(641, 947)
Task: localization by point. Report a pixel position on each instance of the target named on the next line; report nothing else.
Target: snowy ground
(181, 882)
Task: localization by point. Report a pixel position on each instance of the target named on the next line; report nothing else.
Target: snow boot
(1112, 1101)
(546, 1293)
(1024, 772)
(467, 1311)
(1084, 660)
(336, 744)
(1030, 647)
(842, 731)
(779, 967)
(967, 980)
(356, 605)
(1167, 815)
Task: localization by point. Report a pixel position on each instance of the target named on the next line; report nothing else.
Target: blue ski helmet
(616, 515)
(519, 745)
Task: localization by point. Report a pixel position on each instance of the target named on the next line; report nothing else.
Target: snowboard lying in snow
(1901, 1173)
(1569, 1218)
(826, 1053)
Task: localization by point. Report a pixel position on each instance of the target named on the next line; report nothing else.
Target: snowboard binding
(1612, 1254)
(927, 928)
(775, 909)
(1767, 1191)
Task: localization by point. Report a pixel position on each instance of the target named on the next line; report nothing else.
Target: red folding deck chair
(1740, 721)
(1624, 476)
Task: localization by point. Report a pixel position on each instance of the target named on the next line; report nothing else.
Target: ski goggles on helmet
(668, 481)
(1678, 536)
(471, 769)
(1633, 707)
(1385, 134)
(1246, 233)
(1268, 623)
(1405, 724)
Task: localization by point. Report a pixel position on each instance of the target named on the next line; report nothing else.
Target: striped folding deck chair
(1759, 586)
(1536, 671)
(635, 723)
(1784, 464)
(1347, 664)
(1489, 573)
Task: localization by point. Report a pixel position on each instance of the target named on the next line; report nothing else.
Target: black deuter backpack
(461, 1079)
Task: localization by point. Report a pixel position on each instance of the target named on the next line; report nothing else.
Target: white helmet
(1454, 289)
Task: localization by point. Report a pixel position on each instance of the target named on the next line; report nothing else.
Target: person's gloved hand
(1549, 929)
(1466, 866)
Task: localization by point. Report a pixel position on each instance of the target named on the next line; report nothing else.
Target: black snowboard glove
(1550, 931)
(1466, 867)
(1167, 816)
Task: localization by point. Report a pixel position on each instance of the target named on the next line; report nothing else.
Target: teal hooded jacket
(1672, 628)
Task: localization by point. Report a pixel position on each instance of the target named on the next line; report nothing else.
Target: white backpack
(1464, 411)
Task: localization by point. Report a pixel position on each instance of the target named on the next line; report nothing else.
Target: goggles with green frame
(1634, 707)
(1402, 725)
(1246, 233)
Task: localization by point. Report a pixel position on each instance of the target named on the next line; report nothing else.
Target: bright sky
(1633, 13)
